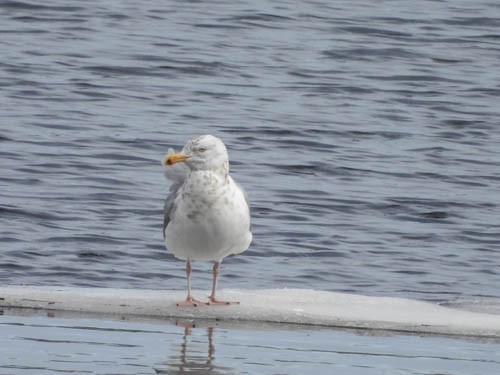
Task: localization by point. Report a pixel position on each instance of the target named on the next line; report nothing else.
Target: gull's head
(205, 152)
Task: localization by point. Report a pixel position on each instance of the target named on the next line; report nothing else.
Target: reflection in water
(194, 356)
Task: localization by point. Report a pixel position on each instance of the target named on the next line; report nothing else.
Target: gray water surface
(78, 345)
(366, 134)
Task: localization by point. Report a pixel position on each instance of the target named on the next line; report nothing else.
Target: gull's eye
(202, 149)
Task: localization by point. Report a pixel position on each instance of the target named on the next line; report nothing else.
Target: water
(143, 347)
(366, 134)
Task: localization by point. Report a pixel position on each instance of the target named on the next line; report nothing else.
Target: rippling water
(366, 134)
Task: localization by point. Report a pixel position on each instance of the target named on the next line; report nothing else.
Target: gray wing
(169, 208)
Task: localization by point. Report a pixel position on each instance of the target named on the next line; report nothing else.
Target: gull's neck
(208, 177)
(222, 171)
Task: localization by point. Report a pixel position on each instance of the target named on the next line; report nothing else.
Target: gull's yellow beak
(175, 158)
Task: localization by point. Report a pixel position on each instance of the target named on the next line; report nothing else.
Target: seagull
(206, 214)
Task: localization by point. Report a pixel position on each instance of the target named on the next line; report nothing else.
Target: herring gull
(206, 214)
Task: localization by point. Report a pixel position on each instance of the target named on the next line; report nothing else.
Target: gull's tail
(175, 172)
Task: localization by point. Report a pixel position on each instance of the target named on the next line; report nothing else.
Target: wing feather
(170, 207)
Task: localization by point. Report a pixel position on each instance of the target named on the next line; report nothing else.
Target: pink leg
(189, 301)
(212, 300)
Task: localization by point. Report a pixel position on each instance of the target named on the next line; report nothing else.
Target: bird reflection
(194, 356)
